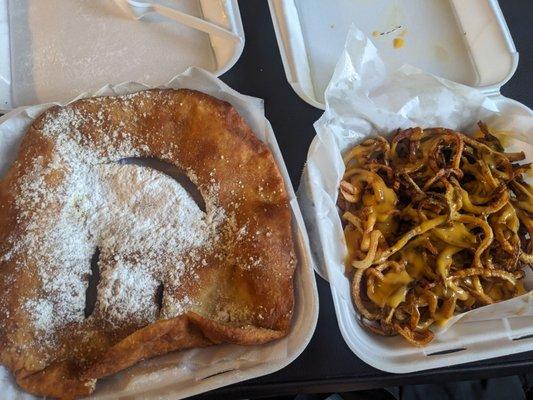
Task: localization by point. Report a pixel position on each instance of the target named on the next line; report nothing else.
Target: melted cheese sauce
(398, 43)
(387, 227)
(445, 259)
(416, 267)
(508, 218)
(456, 235)
(381, 198)
(392, 290)
(352, 243)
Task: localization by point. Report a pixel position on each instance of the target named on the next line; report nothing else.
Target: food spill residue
(388, 32)
(441, 53)
(394, 16)
(398, 42)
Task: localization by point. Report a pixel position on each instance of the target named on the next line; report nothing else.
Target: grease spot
(398, 42)
(441, 53)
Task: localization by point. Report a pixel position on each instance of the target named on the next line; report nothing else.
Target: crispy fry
(457, 215)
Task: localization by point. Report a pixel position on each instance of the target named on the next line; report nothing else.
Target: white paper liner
(364, 99)
(185, 373)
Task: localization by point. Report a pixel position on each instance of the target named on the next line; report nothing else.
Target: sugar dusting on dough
(145, 225)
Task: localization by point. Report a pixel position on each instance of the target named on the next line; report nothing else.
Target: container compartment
(56, 49)
(463, 41)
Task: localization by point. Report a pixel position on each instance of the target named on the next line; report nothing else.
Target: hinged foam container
(56, 50)
(466, 41)
(463, 41)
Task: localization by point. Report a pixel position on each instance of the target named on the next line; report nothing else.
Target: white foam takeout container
(56, 49)
(465, 41)
(189, 372)
(37, 74)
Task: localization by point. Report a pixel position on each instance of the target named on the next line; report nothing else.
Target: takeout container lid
(463, 41)
(55, 50)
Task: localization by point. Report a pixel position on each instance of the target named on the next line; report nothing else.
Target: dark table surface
(328, 364)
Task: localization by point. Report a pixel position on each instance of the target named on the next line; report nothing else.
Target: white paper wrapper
(364, 99)
(189, 372)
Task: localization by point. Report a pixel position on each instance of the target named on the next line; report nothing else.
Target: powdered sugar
(146, 226)
(42, 311)
(128, 292)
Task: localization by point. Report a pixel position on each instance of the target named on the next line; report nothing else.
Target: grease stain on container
(520, 311)
(387, 32)
(504, 137)
(441, 53)
(398, 42)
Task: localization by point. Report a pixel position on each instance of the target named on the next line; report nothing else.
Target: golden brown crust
(158, 338)
(234, 300)
(57, 380)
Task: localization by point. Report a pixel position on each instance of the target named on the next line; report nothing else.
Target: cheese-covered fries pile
(436, 223)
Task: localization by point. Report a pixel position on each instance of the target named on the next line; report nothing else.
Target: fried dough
(169, 274)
